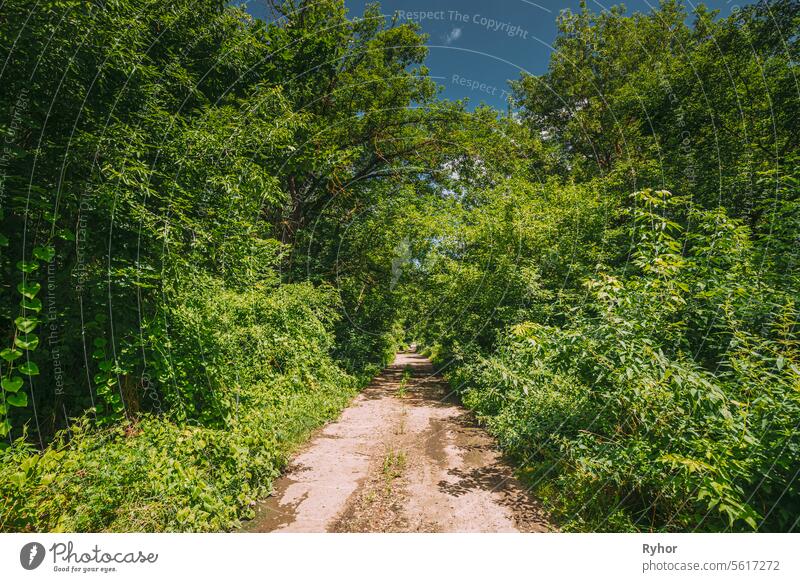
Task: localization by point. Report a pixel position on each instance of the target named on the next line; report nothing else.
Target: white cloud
(452, 36)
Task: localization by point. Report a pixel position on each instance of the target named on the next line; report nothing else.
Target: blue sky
(476, 46)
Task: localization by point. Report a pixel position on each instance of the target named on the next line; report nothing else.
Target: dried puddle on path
(403, 457)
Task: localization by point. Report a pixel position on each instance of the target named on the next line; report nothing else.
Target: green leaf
(31, 304)
(12, 384)
(30, 290)
(44, 253)
(29, 369)
(100, 342)
(10, 354)
(26, 324)
(3, 240)
(106, 365)
(20, 399)
(5, 428)
(27, 342)
(65, 234)
(18, 478)
(27, 266)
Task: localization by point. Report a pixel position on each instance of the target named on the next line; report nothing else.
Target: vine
(24, 341)
(111, 408)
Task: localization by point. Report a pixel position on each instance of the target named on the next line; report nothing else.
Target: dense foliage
(215, 229)
(638, 353)
(175, 178)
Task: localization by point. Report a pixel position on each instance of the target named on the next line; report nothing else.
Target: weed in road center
(394, 462)
(402, 391)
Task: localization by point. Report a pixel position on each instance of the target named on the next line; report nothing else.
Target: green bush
(670, 400)
(199, 467)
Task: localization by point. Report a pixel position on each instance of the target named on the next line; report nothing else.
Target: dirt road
(404, 457)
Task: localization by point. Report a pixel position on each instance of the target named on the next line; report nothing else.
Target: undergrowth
(270, 381)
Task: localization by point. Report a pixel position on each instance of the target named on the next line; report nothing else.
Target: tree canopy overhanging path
(216, 230)
(404, 457)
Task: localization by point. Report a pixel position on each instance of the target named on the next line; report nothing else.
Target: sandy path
(402, 457)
